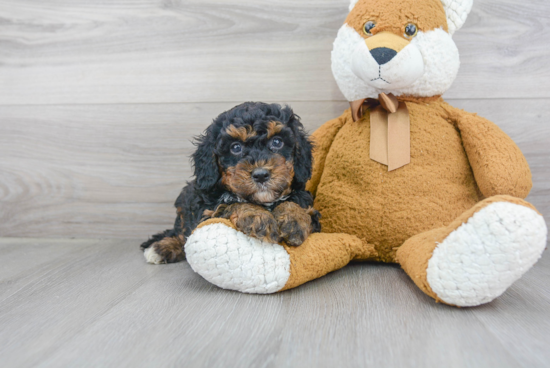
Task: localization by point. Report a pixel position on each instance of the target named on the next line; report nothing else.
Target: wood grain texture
(91, 303)
(165, 51)
(98, 103)
(114, 170)
(102, 171)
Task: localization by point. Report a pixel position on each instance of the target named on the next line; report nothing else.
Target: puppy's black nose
(382, 55)
(260, 175)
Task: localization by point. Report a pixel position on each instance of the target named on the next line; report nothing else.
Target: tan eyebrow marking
(242, 133)
(274, 127)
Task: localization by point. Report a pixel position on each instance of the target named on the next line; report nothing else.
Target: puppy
(251, 166)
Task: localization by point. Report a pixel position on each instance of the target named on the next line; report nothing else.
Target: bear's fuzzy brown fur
(449, 173)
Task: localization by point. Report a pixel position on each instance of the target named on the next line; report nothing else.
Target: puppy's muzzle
(261, 175)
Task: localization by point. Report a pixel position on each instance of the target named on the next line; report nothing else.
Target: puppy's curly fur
(251, 166)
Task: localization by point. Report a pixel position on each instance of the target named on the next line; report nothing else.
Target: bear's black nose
(382, 55)
(260, 175)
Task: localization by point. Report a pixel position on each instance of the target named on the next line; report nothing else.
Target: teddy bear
(401, 176)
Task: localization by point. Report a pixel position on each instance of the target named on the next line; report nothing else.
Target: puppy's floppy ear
(302, 151)
(204, 159)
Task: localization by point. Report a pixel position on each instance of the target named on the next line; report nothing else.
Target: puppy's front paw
(294, 223)
(252, 220)
(259, 225)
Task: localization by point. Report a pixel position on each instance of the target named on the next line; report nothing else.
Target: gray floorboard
(98, 103)
(90, 303)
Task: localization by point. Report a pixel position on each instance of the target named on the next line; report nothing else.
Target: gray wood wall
(99, 99)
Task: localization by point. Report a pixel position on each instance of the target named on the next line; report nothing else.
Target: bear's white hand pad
(478, 261)
(231, 260)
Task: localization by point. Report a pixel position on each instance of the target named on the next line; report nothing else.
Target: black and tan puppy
(251, 166)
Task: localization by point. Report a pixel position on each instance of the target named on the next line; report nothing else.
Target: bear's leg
(231, 260)
(478, 256)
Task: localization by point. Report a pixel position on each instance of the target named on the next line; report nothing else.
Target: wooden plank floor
(96, 303)
(98, 103)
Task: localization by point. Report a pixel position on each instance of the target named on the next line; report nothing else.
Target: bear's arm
(497, 162)
(322, 140)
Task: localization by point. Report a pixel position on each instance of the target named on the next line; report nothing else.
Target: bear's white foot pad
(478, 261)
(231, 260)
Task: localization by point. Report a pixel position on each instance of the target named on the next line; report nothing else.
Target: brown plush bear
(401, 176)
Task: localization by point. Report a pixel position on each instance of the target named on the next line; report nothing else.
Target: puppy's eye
(368, 27)
(277, 143)
(411, 30)
(236, 148)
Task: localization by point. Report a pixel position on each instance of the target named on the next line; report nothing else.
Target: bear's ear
(457, 11)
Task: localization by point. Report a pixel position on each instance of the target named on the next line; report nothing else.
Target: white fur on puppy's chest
(231, 260)
(478, 261)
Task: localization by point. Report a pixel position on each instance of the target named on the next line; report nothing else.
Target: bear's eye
(236, 148)
(411, 30)
(368, 27)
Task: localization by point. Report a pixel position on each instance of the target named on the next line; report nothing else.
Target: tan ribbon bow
(390, 129)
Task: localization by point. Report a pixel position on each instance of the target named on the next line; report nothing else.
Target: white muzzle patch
(401, 71)
(424, 68)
